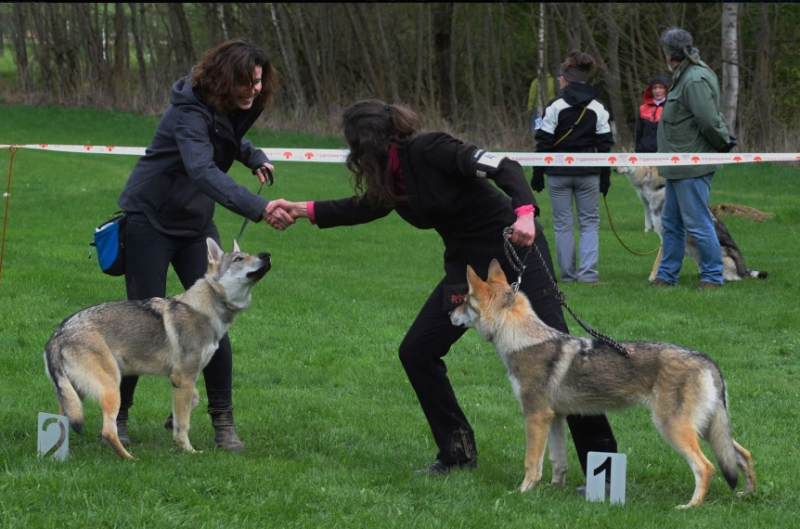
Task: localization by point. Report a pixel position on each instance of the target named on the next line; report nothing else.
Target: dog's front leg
(184, 395)
(558, 449)
(537, 425)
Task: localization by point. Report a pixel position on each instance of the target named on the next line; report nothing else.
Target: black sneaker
(440, 468)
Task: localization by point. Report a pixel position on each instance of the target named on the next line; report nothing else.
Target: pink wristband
(310, 212)
(524, 210)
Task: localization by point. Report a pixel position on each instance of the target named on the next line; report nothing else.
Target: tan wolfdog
(90, 352)
(554, 375)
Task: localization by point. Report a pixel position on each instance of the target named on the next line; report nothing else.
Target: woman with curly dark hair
(435, 181)
(173, 189)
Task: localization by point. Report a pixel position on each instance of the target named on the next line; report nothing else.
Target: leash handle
(517, 263)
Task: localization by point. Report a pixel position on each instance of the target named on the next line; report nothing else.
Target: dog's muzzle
(266, 264)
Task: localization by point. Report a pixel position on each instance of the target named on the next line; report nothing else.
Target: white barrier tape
(524, 158)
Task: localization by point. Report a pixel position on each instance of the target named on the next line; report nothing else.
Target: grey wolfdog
(554, 375)
(650, 187)
(175, 337)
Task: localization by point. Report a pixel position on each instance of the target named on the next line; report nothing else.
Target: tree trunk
(308, 37)
(20, 30)
(420, 54)
(144, 87)
(390, 67)
(119, 77)
(762, 80)
(453, 92)
(181, 37)
(609, 69)
(470, 81)
(730, 65)
(371, 49)
(289, 57)
(366, 55)
(442, 24)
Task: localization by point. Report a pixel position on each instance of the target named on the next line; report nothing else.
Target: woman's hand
(281, 213)
(523, 230)
(264, 173)
(277, 216)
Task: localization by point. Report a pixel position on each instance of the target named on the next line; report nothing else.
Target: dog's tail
(68, 398)
(720, 438)
(758, 274)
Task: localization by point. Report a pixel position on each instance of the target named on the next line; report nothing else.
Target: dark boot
(225, 430)
(122, 427)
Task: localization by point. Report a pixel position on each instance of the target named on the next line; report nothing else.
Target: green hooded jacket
(691, 120)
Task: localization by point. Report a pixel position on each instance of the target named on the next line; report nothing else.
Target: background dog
(649, 186)
(554, 375)
(90, 352)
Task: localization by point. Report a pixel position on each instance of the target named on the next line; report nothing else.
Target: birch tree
(730, 63)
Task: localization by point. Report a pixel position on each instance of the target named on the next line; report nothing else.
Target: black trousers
(148, 255)
(429, 339)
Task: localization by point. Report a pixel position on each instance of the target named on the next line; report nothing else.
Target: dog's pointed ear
(236, 246)
(496, 274)
(472, 278)
(214, 251)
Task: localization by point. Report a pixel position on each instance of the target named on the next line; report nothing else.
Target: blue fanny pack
(109, 239)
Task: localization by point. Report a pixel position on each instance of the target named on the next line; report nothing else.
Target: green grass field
(332, 426)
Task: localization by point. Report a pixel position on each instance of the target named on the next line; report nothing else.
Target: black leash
(271, 180)
(519, 266)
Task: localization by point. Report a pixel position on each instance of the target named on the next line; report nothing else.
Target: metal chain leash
(519, 265)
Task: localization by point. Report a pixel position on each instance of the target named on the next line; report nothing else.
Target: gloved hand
(537, 182)
(605, 180)
(728, 147)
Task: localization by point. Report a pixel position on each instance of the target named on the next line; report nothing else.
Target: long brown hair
(224, 71)
(370, 128)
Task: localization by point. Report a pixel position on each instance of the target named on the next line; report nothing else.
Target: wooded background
(466, 68)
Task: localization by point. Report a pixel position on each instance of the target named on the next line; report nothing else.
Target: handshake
(280, 213)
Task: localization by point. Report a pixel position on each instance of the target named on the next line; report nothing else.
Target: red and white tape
(524, 158)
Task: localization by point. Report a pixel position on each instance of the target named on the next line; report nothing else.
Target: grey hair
(677, 43)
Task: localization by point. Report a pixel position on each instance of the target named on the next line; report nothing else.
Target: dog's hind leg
(537, 426)
(681, 434)
(745, 463)
(109, 402)
(558, 450)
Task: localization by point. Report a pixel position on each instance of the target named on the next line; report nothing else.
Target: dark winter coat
(182, 174)
(445, 193)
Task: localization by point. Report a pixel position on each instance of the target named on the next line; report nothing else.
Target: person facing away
(575, 122)
(170, 197)
(691, 122)
(653, 98)
(435, 181)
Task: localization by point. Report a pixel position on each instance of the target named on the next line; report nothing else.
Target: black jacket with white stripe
(567, 128)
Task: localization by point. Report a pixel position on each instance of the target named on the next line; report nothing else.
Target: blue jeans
(686, 211)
